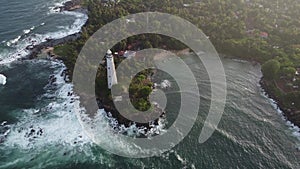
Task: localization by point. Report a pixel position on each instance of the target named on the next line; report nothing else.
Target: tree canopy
(270, 69)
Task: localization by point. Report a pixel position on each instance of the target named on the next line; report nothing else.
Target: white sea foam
(57, 120)
(20, 43)
(14, 41)
(104, 130)
(59, 123)
(55, 8)
(26, 31)
(295, 129)
(60, 127)
(68, 30)
(4, 123)
(165, 84)
(179, 158)
(2, 79)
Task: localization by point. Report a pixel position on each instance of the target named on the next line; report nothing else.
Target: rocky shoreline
(74, 5)
(35, 50)
(69, 6)
(290, 114)
(47, 48)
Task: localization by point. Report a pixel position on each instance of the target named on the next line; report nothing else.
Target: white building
(111, 70)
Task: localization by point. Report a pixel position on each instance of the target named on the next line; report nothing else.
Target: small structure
(111, 70)
(131, 20)
(297, 73)
(118, 99)
(129, 54)
(264, 35)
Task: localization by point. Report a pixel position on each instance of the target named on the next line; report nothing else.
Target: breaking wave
(2, 79)
(18, 48)
(56, 124)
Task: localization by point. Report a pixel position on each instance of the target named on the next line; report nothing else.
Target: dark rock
(2, 139)
(40, 132)
(32, 131)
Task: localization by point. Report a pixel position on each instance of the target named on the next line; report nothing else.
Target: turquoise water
(42, 130)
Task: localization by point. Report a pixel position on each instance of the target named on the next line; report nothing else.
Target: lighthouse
(111, 70)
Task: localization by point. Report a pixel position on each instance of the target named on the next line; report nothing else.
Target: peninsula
(257, 31)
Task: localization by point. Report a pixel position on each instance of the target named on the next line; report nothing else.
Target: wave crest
(2, 79)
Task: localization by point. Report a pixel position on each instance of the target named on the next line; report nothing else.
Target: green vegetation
(264, 31)
(270, 69)
(139, 90)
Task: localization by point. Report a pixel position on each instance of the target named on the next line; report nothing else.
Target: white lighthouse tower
(111, 70)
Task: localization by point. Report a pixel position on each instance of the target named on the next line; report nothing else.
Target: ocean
(39, 129)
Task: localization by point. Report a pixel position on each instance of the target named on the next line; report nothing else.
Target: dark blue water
(251, 134)
(25, 85)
